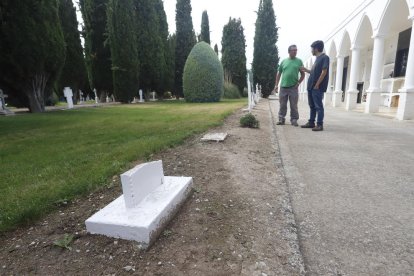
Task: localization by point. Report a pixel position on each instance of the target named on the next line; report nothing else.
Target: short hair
(318, 44)
(291, 46)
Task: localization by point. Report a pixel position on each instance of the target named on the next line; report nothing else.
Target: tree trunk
(36, 93)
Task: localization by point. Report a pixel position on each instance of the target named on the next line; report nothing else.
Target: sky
(300, 22)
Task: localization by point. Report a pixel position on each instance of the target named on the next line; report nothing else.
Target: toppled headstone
(149, 201)
(218, 137)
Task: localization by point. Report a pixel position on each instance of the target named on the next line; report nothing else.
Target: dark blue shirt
(322, 62)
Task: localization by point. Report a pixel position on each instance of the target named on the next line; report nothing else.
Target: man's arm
(304, 70)
(302, 76)
(277, 82)
(321, 77)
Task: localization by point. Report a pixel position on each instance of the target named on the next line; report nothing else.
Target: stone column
(406, 102)
(328, 95)
(374, 90)
(352, 92)
(337, 94)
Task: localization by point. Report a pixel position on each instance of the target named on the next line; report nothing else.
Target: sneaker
(308, 125)
(280, 123)
(317, 128)
(294, 123)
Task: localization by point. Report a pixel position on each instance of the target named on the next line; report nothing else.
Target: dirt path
(237, 221)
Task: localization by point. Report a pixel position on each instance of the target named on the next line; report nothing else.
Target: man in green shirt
(289, 70)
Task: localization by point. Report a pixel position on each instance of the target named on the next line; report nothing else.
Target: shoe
(308, 125)
(317, 128)
(294, 123)
(280, 123)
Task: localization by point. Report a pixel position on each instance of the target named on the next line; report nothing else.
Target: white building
(372, 59)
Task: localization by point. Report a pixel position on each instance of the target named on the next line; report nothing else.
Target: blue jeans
(315, 98)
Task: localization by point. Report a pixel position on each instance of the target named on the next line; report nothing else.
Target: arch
(332, 52)
(364, 33)
(389, 22)
(345, 44)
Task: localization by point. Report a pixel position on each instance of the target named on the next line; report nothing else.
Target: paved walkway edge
(279, 146)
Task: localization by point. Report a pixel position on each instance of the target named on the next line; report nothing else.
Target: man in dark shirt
(317, 86)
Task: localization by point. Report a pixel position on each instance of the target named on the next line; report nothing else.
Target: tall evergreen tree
(74, 71)
(265, 56)
(186, 40)
(216, 49)
(151, 44)
(124, 48)
(234, 53)
(163, 33)
(32, 49)
(170, 58)
(205, 28)
(97, 50)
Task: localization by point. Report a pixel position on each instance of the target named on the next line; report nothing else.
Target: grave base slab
(146, 221)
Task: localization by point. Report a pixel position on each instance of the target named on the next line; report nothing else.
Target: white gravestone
(80, 96)
(2, 101)
(149, 202)
(153, 93)
(67, 92)
(107, 99)
(141, 99)
(96, 96)
(3, 106)
(250, 94)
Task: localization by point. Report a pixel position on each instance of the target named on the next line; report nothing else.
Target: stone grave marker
(141, 99)
(67, 92)
(96, 96)
(149, 202)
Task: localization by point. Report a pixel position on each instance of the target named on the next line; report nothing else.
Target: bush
(231, 91)
(245, 93)
(250, 121)
(52, 100)
(203, 77)
(167, 95)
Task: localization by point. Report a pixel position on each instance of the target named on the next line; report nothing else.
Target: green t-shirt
(289, 68)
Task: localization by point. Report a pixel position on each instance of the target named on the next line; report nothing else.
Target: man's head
(292, 50)
(317, 47)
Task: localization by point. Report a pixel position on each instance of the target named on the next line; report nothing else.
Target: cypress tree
(151, 47)
(234, 53)
(170, 58)
(124, 48)
(216, 49)
(97, 50)
(205, 28)
(74, 71)
(186, 40)
(265, 56)
(32, 49)
(163, 33)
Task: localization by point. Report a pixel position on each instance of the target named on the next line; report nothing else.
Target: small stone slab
(140, 181)
(218, 137)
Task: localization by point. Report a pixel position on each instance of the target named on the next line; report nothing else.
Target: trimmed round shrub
(231, 91)
(203, 78)
(249, 120)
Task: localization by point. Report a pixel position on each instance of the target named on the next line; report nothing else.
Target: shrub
(231, 91)
(203, 78)
(250, 121)
(52, 100)
(167, 95)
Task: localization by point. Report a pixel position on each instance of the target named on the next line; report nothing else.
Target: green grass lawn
(55, 156)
